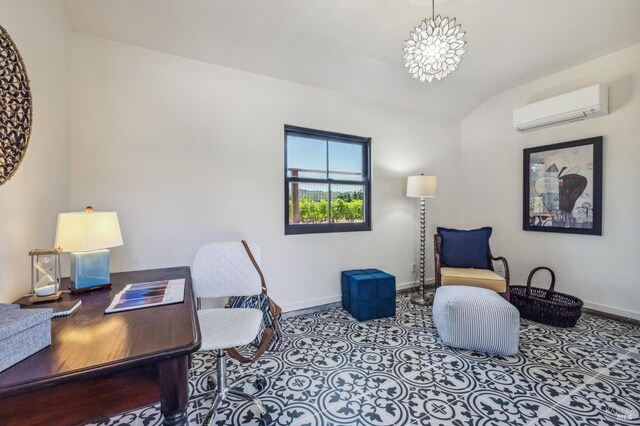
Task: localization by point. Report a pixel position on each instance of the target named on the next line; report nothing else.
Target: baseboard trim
(614, 313)
(310, 306)
(310, 310)
(604, 311)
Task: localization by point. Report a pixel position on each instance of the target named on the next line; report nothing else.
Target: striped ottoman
(477, 319)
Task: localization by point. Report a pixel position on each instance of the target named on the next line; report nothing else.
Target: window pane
(308, 203)
(306, 157)
(347, 203)
(345, 161)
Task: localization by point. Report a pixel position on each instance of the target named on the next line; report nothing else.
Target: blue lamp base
(90, 270)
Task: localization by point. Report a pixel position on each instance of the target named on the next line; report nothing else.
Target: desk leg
(174, 390)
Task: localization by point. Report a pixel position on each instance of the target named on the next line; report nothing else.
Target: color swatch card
(146, 295)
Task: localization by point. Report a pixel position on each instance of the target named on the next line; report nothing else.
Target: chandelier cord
(433, 9)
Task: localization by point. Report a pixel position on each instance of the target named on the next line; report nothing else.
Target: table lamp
(88, 235)
(422, 186)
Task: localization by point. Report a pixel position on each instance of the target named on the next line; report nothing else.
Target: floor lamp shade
(88, 236)
(422, 186)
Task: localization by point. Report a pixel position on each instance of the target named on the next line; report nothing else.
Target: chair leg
(223, 391)
(259, 382)
(208, 420)
(249, 398)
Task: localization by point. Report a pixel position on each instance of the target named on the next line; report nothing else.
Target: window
(327, 182)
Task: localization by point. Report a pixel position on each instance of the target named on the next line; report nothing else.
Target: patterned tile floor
(395, 371)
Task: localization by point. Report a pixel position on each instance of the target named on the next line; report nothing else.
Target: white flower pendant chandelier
(434, 49)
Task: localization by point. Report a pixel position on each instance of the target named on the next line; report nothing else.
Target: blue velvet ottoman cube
(368, 294)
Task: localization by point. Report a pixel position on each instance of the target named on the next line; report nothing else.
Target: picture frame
(562, 187)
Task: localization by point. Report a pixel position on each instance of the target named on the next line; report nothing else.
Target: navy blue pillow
(465, 249)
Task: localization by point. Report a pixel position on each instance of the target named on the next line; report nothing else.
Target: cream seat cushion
(225, 328)
(483, 278)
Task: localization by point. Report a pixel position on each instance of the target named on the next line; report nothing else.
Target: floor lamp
(422, 186)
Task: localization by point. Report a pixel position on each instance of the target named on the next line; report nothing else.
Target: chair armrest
(506, 268)
(436, 260)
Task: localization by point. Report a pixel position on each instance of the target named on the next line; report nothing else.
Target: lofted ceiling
(355, 46)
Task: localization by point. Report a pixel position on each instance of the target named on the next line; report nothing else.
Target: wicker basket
(546, 306)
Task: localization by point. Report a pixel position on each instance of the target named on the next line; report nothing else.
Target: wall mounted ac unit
(592, 101)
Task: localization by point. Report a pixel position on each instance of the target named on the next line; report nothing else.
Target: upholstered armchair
(465, 258)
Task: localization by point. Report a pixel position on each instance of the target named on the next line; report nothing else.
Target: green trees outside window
(341, 211)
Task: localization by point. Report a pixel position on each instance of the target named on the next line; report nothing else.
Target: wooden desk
(99, 365)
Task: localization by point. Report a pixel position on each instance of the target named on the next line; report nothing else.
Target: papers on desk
(147, 295)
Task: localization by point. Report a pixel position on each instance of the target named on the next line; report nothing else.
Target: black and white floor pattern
(395, 371)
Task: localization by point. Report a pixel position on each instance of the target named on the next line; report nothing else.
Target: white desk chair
(223, 270)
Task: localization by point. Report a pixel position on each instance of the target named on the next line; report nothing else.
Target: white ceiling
(355, 46)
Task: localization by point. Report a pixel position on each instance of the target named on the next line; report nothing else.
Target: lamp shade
(88, 231)
(422, 186)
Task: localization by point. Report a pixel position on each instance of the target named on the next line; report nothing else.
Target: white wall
(159, 138)
(188, 152)
(602, 270)
(31, 200)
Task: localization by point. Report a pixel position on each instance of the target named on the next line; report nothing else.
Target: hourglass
(45, 275)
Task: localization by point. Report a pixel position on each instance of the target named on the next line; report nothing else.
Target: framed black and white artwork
(563, 187)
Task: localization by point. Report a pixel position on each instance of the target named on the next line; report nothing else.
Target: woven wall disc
(15, 107)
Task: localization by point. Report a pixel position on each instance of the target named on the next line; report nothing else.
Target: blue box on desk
(368, 294)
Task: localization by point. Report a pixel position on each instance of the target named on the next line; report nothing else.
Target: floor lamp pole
(421, 298)
(422, 187)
